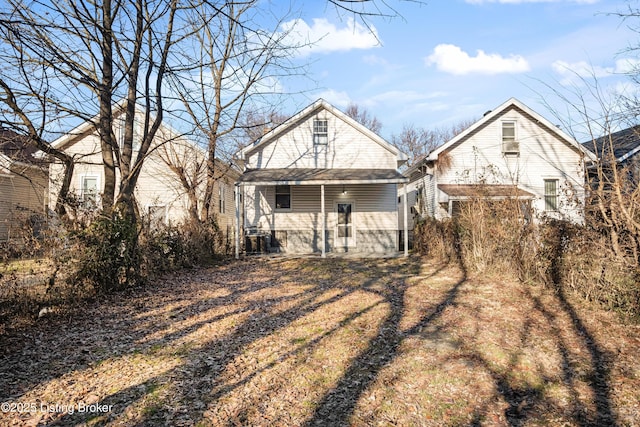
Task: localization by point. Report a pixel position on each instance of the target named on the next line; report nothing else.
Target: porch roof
(308, 176)
(461, 191)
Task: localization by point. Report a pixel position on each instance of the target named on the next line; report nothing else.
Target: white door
(345, 232)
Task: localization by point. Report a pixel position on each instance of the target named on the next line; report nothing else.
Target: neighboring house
(160, 193)
(321, 182)
(621, 148)
(511, 152)
(23, 185)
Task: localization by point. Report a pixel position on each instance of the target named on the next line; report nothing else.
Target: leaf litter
(280, 341)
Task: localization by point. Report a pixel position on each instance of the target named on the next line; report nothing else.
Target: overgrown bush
(66, 265)
(107, 255)
(28, 237)
(171, 248)
(580, 259)
(489, 237)
(436, 239)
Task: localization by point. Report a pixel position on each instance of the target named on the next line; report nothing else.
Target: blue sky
(452, 60)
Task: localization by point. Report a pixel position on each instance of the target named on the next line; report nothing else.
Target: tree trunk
(107, 144)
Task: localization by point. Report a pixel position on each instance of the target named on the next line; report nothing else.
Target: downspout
(406, 222)
(323, 221)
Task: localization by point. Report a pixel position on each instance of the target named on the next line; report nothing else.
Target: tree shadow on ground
(527, 400)
(205, 365)
(339, 403)
(262, 298)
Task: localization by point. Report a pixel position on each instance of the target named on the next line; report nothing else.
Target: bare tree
(91, 55)
(15, 116)
(367, 9)
(362, 116)
(595, 115)
(255, 124)
(233, 65)
(418, 142)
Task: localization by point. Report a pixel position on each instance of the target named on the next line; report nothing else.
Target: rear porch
(320, 211)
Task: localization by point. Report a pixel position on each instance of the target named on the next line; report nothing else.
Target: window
(283, 197)
(320, 132)
(121, 124)
(89, 191)
(550, 194)
(509, 143)
(222, 191)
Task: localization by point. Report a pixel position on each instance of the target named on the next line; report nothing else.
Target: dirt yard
(304, 342)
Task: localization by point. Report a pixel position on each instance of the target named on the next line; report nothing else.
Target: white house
(510, 152)
(321, 182)
(160, 192)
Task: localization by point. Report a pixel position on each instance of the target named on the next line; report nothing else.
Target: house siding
(22, 195)
(375, 216)
(478, 158)
(157, 184)
(347, 147)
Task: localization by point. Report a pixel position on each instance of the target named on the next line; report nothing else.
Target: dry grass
(327, 342)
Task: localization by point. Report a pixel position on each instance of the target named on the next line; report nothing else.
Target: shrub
(63, 266)
(496, 238)
(436, 239)
(108, 256)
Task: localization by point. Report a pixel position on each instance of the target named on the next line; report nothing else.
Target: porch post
(237, 200)
(323, 220)
(406, 226)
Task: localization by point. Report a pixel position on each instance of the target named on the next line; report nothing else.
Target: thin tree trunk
(107, 145)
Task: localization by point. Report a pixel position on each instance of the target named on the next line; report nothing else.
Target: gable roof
(509, 104)
(88, 126)
(320, 104)
(15, 147)
(625, 144)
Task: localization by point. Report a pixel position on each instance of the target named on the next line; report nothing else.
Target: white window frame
(320, 131)
(222, 198)
(81, 187)
(509, 145)
(556, 196)
(275, 198)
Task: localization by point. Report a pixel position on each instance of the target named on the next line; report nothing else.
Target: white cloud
(339, 99)
(402, 97)
(574, 72)
(580, 69)
(531, 1)
(451, 59)
(375, 60)
(325, 37)
(627, 65)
